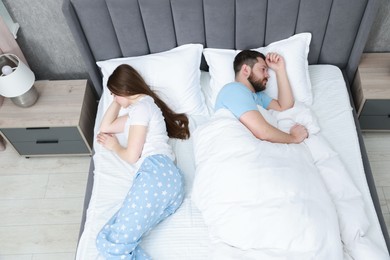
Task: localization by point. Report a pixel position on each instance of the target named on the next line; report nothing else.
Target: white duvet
(262, 200)
(184, 235)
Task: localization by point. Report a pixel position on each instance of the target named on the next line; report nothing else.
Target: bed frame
(105, 29)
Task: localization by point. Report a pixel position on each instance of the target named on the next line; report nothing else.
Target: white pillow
(294, 50)
(174, 75)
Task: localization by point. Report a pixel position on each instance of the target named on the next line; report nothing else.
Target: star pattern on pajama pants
(156, 193)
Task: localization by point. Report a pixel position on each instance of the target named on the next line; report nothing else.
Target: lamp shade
(16, 78)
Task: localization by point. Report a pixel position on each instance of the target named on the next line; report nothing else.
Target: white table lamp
(17, 81)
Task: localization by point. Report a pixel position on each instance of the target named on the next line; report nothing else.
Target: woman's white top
(146, 113)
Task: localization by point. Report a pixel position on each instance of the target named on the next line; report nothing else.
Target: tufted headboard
(106, 29)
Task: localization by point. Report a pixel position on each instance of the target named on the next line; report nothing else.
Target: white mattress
(184, 235)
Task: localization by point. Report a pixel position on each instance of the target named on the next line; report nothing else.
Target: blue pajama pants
(156, 193)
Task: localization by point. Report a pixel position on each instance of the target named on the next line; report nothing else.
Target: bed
(182, 48)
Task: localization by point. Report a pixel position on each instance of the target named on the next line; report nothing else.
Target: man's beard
(257, 83)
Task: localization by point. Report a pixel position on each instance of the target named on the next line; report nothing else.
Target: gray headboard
(106, 29)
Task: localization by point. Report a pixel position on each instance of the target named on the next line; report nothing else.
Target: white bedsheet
(184, 234)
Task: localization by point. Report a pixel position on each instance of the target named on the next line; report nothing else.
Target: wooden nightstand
(371, 91)
(60, 123)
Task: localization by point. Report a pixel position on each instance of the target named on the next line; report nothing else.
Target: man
(242, 96)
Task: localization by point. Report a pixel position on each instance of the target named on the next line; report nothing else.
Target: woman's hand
(108, 141)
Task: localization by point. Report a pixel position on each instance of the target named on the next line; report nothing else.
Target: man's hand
(299, 133)
(275, 61)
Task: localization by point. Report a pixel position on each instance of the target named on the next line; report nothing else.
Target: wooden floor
(41, 200)
(378, 150)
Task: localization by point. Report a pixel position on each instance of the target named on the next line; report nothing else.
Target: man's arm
(260, 128)
(285, 96)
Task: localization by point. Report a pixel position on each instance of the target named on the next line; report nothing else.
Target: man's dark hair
(248, 57)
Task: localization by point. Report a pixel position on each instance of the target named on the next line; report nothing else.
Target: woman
(157, 189)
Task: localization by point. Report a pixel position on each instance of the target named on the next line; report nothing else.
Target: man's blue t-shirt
(239, 99)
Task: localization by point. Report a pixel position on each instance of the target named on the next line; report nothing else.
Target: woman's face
(126, 101)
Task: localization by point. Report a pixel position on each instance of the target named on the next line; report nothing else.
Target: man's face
(259, 75)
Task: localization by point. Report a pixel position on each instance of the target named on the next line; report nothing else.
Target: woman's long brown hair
(126, 81)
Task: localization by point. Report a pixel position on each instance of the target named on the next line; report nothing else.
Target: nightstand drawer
(51, 147)
(376, 107)
(42, 134)
(375, 122)
(61, 122)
